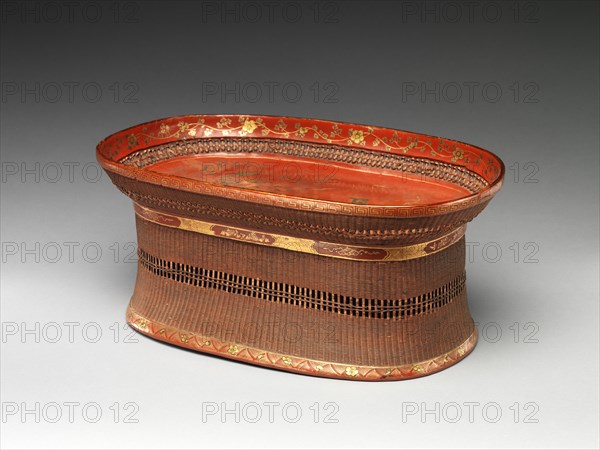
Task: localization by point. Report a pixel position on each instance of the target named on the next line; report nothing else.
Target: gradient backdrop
(518, 78)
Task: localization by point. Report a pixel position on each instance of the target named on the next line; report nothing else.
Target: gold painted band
(297, 364)
(328, 249)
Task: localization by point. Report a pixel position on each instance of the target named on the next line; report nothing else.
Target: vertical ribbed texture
(293, 329)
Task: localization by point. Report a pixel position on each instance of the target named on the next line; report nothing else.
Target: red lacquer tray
(355, 229)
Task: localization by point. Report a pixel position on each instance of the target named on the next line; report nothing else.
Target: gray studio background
(520, 79)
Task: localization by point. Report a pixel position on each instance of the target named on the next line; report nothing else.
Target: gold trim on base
(297, 364)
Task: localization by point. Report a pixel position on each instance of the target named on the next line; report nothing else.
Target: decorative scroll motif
(334, 250)
(439, 170)
(443, 158)
(291, 363)
(396, 308)
(319, 131)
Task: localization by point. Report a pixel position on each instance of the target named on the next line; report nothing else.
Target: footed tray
(316, 247)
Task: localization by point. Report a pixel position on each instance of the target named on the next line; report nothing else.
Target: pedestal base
(297, 364)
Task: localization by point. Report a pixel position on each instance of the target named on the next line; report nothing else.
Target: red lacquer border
(376, 139)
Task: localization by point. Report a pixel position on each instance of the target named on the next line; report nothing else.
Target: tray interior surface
(312, 179)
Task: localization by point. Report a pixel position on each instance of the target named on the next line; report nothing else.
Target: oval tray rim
(294, 202)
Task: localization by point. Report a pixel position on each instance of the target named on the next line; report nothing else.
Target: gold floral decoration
(280, 126)
(164, 130)
(132, 140)
(183, 127)
(351, 371)
(195, 127)
(248, 127)
(418, 368)
(356, 136)
(457, 154)
(233, 350)
(224, 122)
